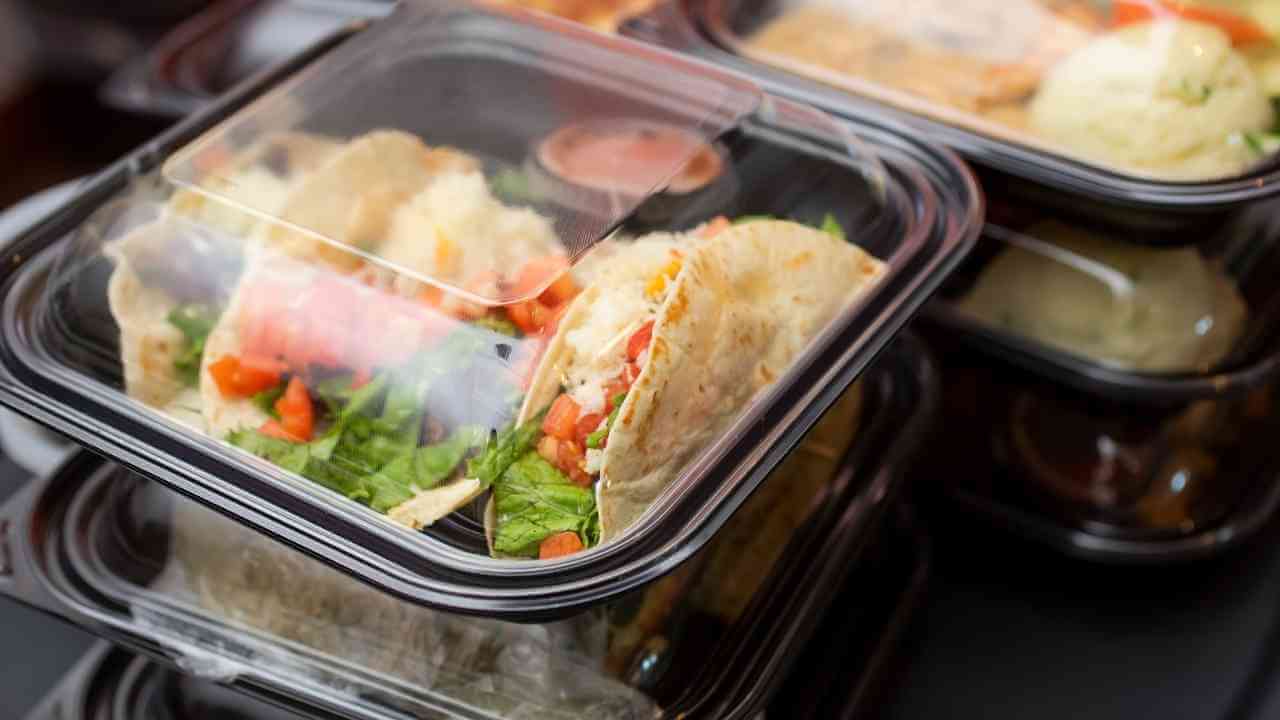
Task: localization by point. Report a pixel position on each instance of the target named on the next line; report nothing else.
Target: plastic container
(1108, 481)
(969, 75)
(912, 207)
(228, 42)
(1126, 324)
(862, 633)
(110, 683)
(138, 565)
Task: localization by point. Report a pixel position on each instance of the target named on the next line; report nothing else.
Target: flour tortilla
(149, 343)
(743, 306)
(260, 178)
(351, 198)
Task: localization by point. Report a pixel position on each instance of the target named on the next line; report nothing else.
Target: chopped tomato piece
(530, 316)
(243, 377)
(586, 425)
(561, 418)
(272, 428)
(297, 415)
(431, 296)
(553, 322)
(639, 341)
(559, 545)
(571, 458)
(548, 449)
(614, 388)
(334, 321)
(538, 271)
(630, 373)
(1242, 30)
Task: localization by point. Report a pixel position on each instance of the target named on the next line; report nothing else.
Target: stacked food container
(475, 364)
(1109, 349)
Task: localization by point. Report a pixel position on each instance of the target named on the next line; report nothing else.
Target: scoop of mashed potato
(1133, 307)
(1167, 98)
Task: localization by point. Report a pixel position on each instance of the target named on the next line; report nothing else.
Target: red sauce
(630, 157)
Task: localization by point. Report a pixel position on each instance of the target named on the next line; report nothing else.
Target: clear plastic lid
(483, 299)
(1179, 90)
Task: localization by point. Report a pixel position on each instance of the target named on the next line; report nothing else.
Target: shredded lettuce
(370, 449)
(502, 449)
(596, 439)
(266, 400)
(195, 321)
(534, 500)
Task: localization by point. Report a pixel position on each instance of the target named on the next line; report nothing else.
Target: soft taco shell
(261, 178)
(622, 267)
(351, 197)
(744, 305)
(149, 343)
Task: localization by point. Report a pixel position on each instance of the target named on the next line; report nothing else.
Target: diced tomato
(559, 545)
(639, 341)
(431, 296)
(1242, 30)
(571, 458)
(242, 377)
(586, 425)
(614, 388)
(630, 373)
(333, 321)
(530, 316)
(537, 272)
(272, 428)
(297, 415)
(561, 418)
(553, 322)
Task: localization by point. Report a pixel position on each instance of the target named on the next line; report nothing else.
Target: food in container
(1148, 88)
(359, 304)
(1127, 306)
(672, 328)
(1108, 480)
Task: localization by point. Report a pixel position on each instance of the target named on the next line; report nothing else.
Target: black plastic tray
(431, 570)
(862, 634)
(1151, 211)
(1248, 248)
(67, 557)
(976, 464)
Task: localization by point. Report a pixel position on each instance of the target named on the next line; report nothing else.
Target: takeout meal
(1125, 305)
(391, 329)
(1161, 88)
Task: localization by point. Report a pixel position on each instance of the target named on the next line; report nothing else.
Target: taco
(651, 364)
(351, 198)
(171, 273)
(370, 381)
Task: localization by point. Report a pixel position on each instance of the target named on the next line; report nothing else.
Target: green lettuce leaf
(266, 400)
(195, 321)
(534, 500)
(596, 439)
(502, 449)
